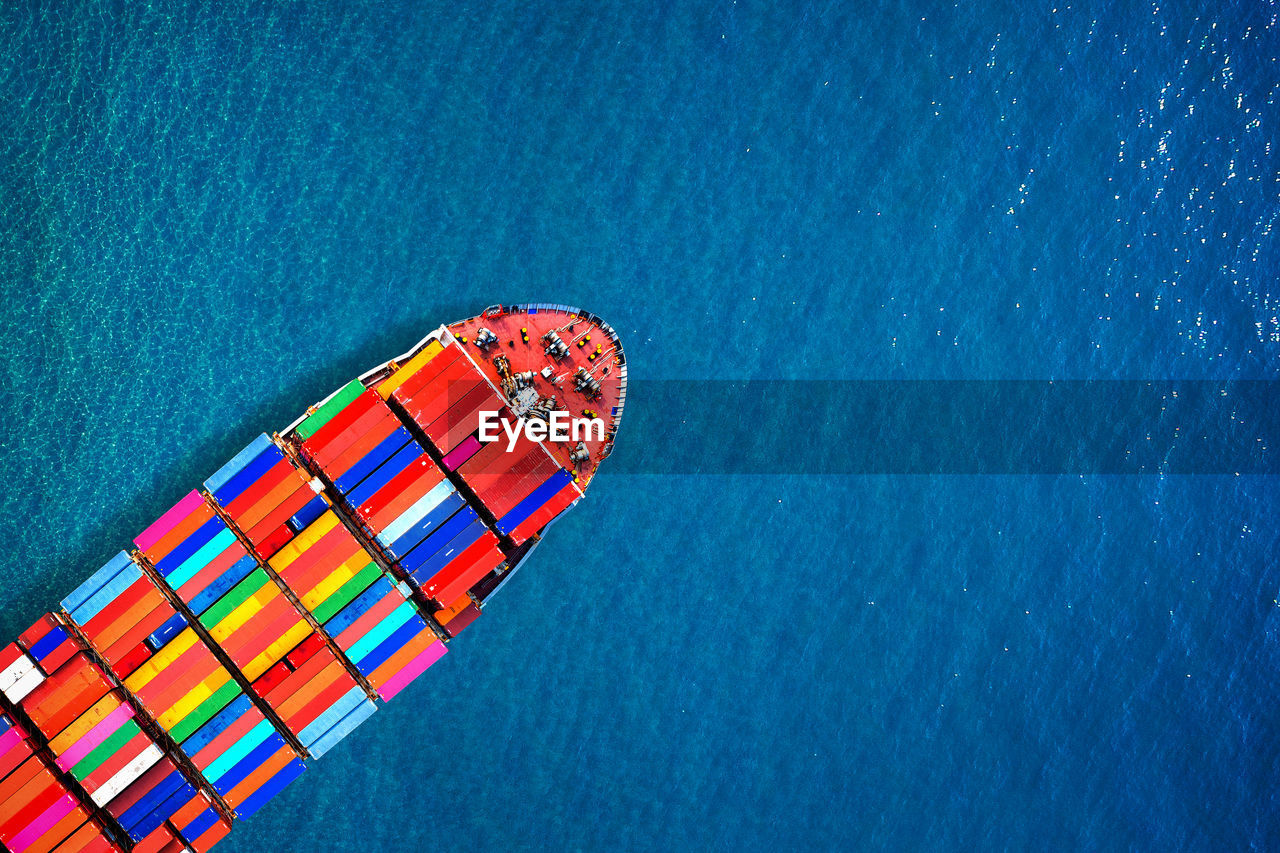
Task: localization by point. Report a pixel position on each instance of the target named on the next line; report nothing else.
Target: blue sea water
(211, 214)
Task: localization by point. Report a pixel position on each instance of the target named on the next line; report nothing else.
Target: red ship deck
(520, 330)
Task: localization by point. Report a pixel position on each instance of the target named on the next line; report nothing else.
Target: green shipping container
(325, 413)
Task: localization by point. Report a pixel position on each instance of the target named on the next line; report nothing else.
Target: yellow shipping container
(304, 540)
(192, 700)
(327, 587)
(153, 667)
(410, 367)
(242, 614)
(277, 650)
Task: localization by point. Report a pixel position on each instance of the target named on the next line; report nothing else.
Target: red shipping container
(260, 488)
(131, 660)
(227, 738)
(272, 543)
(280, 697)
(256, 639)
(117, 607)
(462, 416)
(253, 515)
(432, 404)
(558, 503)
(29, 803)
(65, 695)
(339, 423)
(37, 632)
(503, 503)
(373, 419)
(212, 836)
(488, 470)
(178, 679)
(436, 375)
(369, 620)
(161, 837)
(337, 541)
(465, 570)
(363, 445)
(143, 628)
(260, 532)
(428, 374)
(257, 633)
(388, 503)
(17, 780)
(492, 462)
(116, 762)
(14, 756)
(88, 839)
(462, 620)
(457, 396)
(193, 808)
(309, 713)
(272, 678)
(306, 650)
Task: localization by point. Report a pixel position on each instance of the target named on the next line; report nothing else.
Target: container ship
(318, 573)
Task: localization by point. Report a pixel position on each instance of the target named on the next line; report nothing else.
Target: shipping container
(412, 516)
(452, 505)
(404, 490)
(464, 451)
(342, 420)
(409, 368)
(408, 456)
(238, 462)
(456, 625)
(430, 374)
(452, 370)
(339, 458)
(324, 413)
(437, 538)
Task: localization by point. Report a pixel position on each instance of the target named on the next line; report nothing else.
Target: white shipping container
(116, 784)
(25, 685)
(15, 671)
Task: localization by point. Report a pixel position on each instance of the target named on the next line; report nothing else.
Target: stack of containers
(37, 811)
(445, 395)
(93, 737)
(105, 749)
(19, 674)
(267, 498)
(524, 488)
(123, 614)
(172, 672)
(65, 694)
(243, 756)
(15, 744)
(48, 643)
(458, 615)
(391, 482)
(383, 635)
(316, 696)
(255, 623)
(370, 619)
(195, 825)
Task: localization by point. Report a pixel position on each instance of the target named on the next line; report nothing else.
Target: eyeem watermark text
(560, 427)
